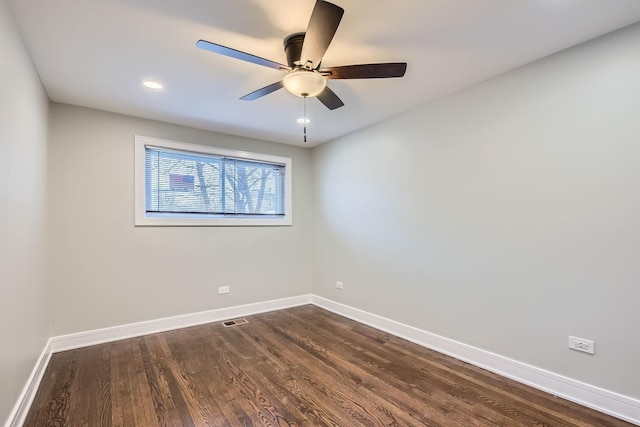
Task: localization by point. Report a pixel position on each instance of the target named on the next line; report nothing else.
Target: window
(190, 185)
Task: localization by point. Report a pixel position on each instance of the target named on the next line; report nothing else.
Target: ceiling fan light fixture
(304, 83)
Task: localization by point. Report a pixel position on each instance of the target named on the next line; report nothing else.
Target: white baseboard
(19, 413)
(100, 336)
(608, 402)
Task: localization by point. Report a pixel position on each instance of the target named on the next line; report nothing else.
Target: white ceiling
(96, 53)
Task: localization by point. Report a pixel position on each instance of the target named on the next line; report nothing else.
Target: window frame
(143, 218)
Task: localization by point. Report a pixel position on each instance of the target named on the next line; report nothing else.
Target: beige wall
(106, 272)
(506, 216)
(23, 204)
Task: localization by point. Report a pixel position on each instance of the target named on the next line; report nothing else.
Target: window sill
(176, 220)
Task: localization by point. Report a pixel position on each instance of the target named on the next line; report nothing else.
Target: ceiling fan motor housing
(293, 49)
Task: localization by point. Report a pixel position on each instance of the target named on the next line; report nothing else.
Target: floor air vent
(234, 322)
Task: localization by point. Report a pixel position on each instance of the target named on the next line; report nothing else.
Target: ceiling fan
(305, 77)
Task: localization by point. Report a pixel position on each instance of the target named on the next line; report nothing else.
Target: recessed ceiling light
(152, 85)
(303, 121)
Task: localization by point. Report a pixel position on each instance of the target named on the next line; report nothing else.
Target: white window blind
(184, 182)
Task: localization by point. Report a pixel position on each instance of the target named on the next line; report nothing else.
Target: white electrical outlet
(223, 290)
(339, 285)
(580, 344)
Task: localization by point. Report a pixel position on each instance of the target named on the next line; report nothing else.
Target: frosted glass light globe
(304, 83)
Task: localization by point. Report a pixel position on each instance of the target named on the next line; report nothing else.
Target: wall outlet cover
(581, 344)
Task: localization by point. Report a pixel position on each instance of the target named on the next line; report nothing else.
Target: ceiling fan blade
(366, 71)
(243, 56)
(330, 99)
(262, 92)
(323, 24)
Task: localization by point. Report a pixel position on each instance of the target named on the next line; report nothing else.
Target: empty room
(319, 213)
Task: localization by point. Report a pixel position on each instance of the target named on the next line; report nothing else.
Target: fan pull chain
(305, 119)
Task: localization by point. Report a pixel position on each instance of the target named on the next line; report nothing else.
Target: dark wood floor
(302, 366)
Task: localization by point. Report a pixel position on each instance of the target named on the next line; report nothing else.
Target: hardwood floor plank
(145, 415)
(52, 409)
(122, 384)
(103, 413)
(302, 366)
(86, 404)
(162, 404)
(214, 355)
(181, 387)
